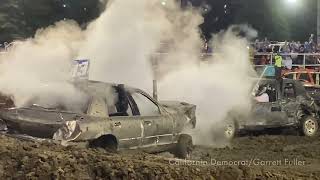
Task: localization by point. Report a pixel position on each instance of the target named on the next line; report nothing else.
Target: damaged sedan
(114, 117)
(276, 105)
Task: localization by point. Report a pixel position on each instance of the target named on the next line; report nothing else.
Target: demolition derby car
(115, 117)
(286, 105)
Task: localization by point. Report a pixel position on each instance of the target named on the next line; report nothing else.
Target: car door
(157, 128)
(128, 130)
(289, 104)
(111, 110)
(269, 113)
(125, 126)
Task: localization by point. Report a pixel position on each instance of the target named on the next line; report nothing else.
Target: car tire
(111, 146)
(107, 142)
(309, 126)
(184, 147)
(230, 129)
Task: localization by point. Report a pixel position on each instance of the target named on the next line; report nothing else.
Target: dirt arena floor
(262, 157)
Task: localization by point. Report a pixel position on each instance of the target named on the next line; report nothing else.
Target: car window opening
(145, 105)
(121, 107)
(266, 93)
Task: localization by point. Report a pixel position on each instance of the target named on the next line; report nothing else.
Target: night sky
(275, 19)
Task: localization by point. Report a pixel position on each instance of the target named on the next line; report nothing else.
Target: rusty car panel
(131, 116)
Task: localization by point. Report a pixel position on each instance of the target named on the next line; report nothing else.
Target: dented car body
(289, 106)
(116, 117)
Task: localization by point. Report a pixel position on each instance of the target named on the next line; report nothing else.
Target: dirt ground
(263, 157)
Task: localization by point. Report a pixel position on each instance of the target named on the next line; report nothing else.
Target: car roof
(100, 89)
(92, 87)
(100, 83)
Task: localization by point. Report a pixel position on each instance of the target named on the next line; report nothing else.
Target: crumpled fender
(188, 109)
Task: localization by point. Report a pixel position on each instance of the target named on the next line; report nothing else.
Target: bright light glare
(163, 3)
(292, 1)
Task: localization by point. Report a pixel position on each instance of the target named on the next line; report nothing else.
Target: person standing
(287, 62)
(266, 44)
(311, 39)
(278, 66)
(286, 47)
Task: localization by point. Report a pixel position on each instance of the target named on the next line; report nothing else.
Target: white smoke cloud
(215, 87)
(119, 45)
(120, 42)
(40, 66)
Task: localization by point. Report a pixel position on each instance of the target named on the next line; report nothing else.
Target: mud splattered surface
(293, 157)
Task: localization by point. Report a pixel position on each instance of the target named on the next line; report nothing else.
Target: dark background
(275, 19)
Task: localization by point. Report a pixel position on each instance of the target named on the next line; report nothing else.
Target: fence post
(271, 59)
(304, 61)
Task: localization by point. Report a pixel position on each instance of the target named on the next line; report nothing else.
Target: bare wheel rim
(310, 127)
(229, 131)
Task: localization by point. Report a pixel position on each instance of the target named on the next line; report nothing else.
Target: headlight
(68, 132)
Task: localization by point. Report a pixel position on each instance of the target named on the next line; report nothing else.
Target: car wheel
(184, 147)
(107, 142)
(111, 146)
(309, 126)
(230, 130)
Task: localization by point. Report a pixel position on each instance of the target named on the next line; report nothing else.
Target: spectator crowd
(267, 46)
(294, 53)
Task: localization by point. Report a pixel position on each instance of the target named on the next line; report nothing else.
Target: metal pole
(304, 61)
(318, 22)
(155, 59)
(155, 90)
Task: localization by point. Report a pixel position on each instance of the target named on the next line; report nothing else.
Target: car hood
(181, 107)
(176, 105)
